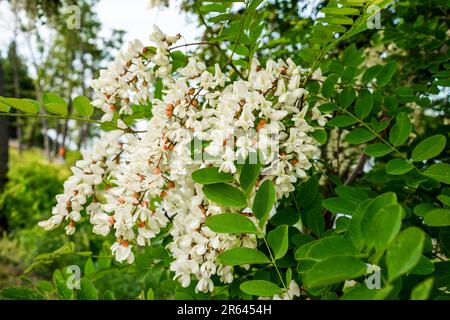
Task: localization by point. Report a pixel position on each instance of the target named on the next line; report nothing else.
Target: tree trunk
(4, 135)
(62, 151)
(15, 72)
(4, 151)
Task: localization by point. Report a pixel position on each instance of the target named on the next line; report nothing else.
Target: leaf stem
(52, 116)
(271, 256)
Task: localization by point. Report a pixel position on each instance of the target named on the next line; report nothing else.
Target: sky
(135, 17)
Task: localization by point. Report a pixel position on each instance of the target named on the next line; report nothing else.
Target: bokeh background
(40, 52)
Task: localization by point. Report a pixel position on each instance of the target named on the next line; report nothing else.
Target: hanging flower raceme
(133, 184)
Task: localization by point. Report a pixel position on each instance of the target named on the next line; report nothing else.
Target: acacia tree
(304, 177)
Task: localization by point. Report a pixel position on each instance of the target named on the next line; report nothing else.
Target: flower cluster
(133, 184)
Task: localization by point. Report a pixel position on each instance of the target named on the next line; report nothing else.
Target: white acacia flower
(133, 184)
(122, 252)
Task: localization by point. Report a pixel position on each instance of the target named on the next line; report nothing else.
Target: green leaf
(264, 200)
(56, 108)
(211, 175)
(364, 104)
(261, 288)
(159, 88)
(21, 104)
(108, 295)
(320, 135)
(378, 150)
(306, 193)
(429, 148)
(309, 54)
(422, 290)
(333, 270)
(230, 223)
(341, 11)
(179, 60)
(150, 295)
(359, 135)
(64, 293)
(362, 292)
(89, 267)
(53, 98)
(405, 252)
(215, 7)
(444, 199)
(21, 293)
(422, 209)
(225, 17)
(249, 173)
(339, 205)
(438, 218)
(44, 285)
(401, 130)
(342, 121)
(398, 167)
(328, 107)
(423, 267)
(385, 225)
(354, 194)
(328, 85)
(346, 97)
(337, 20)
(288, 216)
(83, 106)
(88, 290)
(379, 202)
(225, 195)
(355, 233)
(278, 240)
(242, 255)
(439, 171)
(314, 218)
(371, 73)
(386, 73)
(4, 107)
(324, 248)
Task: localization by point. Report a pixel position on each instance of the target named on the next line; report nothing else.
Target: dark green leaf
(225, 195)
(21, 293)
(439, 171)
(429, 148)
(88, 290)
(342, 121)
(242, 255)
(438, 218)
(333, 270)
(359, 135)
(264, 200)
(378, 150)
(398, 167)
(386, 73)
(401, 130)
(249, 173)
(211, 175)
(230, 223)
(405, 252)
(278, 240)
(339, 205)
(346, 97)
(260, 288)
(364, 104)
(385, 225)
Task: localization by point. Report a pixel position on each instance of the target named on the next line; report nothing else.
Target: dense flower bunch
(134, 184)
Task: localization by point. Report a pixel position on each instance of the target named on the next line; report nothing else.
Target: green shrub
(30, 192)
